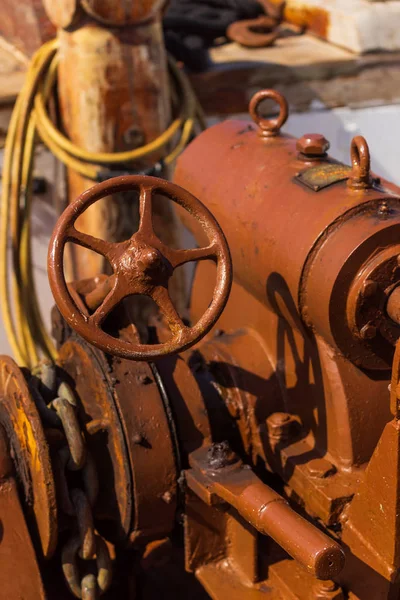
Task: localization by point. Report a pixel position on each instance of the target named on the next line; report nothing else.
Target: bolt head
(138, 439)
(327, 590)
(144, 379)
(369, 288)
(384, 209)
(313, 144)
(167, 497)
(221, 455)
(279, 426)
(368, 332)
(278, 418)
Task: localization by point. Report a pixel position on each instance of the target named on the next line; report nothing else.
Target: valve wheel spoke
(90, 242)
(163, 300)
(142, 265)
(146, 210)
(181, 257)
(113, 298)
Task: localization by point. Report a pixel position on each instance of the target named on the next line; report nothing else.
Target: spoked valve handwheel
(142, 265)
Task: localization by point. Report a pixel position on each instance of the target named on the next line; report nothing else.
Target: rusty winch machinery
(257, 443)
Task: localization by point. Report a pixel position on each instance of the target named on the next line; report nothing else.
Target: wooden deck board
(308, 70)
(305, 68)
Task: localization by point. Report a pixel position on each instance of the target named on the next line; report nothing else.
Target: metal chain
(57, 407)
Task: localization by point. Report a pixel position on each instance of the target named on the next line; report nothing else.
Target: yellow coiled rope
(23, 322)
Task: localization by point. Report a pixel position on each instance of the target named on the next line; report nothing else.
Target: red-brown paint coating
(142, 265)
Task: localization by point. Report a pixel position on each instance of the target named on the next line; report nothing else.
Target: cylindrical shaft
(271, 515)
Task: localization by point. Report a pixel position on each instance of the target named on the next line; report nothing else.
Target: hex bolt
(138, 439)
(368, 332)
(384, 210)
(327, 590)
(167, 497)
(221, 455)
(369, 288)
(278, 425)
(320, 468)
(278, 418)
(313, 145)
(144, 379)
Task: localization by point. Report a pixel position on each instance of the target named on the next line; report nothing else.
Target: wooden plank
(306, 69)
(359, 25)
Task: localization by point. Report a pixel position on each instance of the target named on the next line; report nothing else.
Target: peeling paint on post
(114, 96)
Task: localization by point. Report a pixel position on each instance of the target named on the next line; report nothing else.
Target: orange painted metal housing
(264, 454)
(315, 249)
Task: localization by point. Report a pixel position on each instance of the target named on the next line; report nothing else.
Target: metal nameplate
(322, 176)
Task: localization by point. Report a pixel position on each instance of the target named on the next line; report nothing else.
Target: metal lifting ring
(269, 127)
(360, 177)
(142, 265)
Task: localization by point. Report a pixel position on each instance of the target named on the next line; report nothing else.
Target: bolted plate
(29, 450)
(324, 175)
(148, 426)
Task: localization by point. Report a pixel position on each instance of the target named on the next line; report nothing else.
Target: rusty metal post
(114, 96)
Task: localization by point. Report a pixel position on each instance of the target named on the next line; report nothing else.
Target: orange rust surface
(21, 421)
(86, 367)
(299, 395)
(123, 102)
(21, 574)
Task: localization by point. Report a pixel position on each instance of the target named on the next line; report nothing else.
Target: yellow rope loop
(23, 322)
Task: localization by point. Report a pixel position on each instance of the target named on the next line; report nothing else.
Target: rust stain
(22, 423)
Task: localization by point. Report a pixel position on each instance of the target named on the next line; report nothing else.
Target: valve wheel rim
(142, 265)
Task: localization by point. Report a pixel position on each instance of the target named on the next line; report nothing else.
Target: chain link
(57, 407)
(83, 587)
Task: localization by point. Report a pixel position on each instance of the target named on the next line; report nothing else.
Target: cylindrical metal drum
(288, 208)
